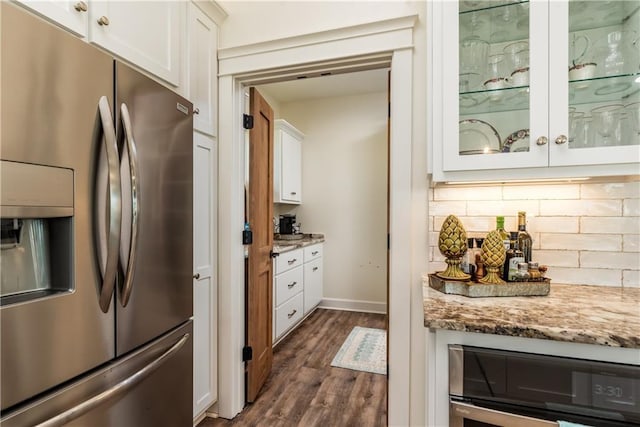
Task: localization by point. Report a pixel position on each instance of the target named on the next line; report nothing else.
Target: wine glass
(576, 124)
(606, 119)
(633, 111)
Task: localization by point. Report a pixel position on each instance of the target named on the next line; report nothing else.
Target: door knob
(542, 140)
(103, 20)
(196, 276)
(80, 6)
(562, 139)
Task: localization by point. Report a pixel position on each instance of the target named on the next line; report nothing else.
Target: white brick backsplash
(631, 243)
(609, 225)
(620, 260)
(631, 279)
(434, 267)
(557, 258)
(631, 207)
(501, 207)
(594, 242)
(468, 193)
(554, 224)
(541, 192)
(580, 207)
(585, 276)
(585, 233)
(614, 190)
(448, 208)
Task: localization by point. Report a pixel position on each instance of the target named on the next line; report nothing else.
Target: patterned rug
(365, 349)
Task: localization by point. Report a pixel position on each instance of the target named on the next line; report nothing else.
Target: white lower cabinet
(297, 287)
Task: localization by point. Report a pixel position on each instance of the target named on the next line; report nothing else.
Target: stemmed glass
(633, 111)
(606, 120)
(576, 125)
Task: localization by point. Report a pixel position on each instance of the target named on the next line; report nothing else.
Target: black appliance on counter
(490, 387)
(286, 223)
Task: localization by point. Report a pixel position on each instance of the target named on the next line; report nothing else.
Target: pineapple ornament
(452, 243)
(493, 255)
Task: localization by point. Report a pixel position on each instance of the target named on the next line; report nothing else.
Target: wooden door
(259, 214)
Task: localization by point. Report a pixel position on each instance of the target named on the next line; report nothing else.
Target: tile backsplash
(586, 233)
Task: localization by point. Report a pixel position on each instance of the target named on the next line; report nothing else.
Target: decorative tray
(479, 290)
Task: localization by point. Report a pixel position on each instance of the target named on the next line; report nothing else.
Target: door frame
(387, 43)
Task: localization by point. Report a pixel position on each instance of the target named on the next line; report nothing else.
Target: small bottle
(480, 271)
(522, 273)
(513, 257)
(534, 271)
(524, 239)
(503, 233)
(467, 258)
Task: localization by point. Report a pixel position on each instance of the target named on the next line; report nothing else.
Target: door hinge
(247, 354)
(388, 241)
(247, 121)
(273, 254)
(247, 237)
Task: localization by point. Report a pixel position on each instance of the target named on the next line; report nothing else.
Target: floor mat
(365, 349)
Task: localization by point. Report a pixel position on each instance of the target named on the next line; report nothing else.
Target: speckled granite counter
(281, 246)
(583, 314)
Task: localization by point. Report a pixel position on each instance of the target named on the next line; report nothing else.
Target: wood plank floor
(304, 390)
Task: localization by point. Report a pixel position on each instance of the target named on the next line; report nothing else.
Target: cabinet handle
(291, 261)
(290, 315)
(542, 140)
(196, 276)
(315, 268)
(103, 20)
(196, 110)
(562, 139)
(293, 193)
(314, 253)
(292, 284)
(80, 6)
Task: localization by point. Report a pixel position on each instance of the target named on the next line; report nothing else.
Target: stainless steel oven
(489, 387)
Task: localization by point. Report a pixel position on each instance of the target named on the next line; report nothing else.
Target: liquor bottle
(524, 238)
(503, 233)
(467, 259)
(513, 257)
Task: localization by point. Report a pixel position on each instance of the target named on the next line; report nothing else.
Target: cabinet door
(205, 290)
(595, 113)
(70, 14)
(498, 120)
(291, 168)
(203, 70)
(312, 284)
(145, 33)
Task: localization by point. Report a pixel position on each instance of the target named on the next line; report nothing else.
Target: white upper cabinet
(203, 70)
(72, 15)
(510, 106)
(145, 33)
(287, 183)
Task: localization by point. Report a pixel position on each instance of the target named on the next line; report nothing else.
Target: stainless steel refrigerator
(96, 258)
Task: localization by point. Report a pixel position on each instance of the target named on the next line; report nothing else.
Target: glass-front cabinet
(538, 84)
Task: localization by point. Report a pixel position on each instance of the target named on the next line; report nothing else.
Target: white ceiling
(355, 83)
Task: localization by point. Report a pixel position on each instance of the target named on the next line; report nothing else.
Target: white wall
(344, 190)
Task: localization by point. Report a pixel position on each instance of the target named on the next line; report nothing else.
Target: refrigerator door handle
(119, 388)
(109, 256)
(135, 205)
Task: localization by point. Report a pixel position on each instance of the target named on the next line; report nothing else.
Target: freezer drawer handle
(490, 416)
(108, 244)
(123, 386)
(127, 286)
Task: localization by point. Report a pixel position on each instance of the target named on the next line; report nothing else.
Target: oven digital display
(612, 392)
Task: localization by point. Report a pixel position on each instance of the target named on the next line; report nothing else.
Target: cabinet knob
(196, 276)
(80, 6)
(542, 140)
(562, 139)
(103, 20)
(196, 110)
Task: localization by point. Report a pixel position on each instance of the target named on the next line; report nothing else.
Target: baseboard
(354, 305)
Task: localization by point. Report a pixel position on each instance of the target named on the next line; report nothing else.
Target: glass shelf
(588, 15)
(494, 101)
(604, 89)
(495, 21)
(467, 6)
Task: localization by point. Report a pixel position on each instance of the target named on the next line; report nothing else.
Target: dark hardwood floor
(304, 390)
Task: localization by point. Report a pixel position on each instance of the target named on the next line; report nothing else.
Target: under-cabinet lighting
(518, 181)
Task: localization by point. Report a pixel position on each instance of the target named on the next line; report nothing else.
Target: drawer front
(288, 314)
(312, 252)
(288, 284)
(288, 260)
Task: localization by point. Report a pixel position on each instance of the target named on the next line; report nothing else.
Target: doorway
(388, 42)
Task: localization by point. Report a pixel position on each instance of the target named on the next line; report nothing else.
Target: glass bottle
(513, 257)
(503, 233)
(524, 238)
(522, 273)
(467, 259)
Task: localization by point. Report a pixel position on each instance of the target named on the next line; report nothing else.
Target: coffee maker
(286, 223)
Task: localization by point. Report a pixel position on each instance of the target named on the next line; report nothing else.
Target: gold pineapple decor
(452, 243)
(493, 256)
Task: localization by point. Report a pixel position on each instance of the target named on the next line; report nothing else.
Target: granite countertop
(282, 245)
(600, 315)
